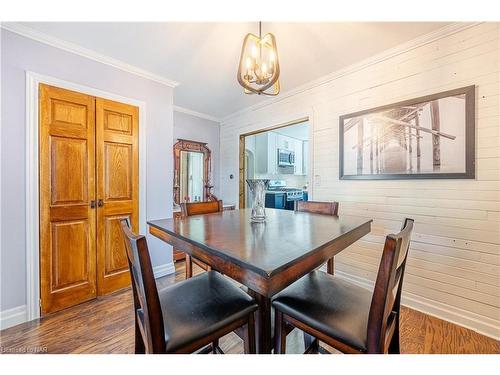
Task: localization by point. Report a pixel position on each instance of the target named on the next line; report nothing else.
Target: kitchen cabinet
(266, 153)
(305, 157)
(298, 144)
(295, 145)
(284, 142)
(275, 200)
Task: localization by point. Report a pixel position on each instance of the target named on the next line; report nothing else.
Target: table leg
(330, 266)
(263, 323)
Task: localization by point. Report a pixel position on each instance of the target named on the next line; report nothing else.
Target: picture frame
(429, 137)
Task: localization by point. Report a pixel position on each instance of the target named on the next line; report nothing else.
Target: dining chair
(187, 316)
(323, 208)
(343, 315)
(198, 208)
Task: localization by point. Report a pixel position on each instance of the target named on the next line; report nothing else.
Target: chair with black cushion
(344, 315)
(322, 208)
(189, 315)
(198, 208)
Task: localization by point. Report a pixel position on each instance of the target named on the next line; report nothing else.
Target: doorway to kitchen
(281, 155)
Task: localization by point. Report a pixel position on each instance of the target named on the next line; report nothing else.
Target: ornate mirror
(192, 171)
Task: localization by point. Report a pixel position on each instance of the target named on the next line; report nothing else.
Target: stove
(278, 195)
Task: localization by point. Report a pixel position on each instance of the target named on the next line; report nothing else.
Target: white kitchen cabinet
(261, 153)
(265, 153)
(284, 142)
(292, 144)
(272, 153)
(298, 156)
(305, 157)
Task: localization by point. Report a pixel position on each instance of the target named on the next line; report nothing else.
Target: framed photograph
(428, 137)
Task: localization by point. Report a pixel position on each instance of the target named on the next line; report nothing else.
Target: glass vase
(258, 189)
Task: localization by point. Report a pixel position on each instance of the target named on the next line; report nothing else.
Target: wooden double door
(88, 168)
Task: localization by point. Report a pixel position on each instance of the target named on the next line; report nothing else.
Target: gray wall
(202, 130)
(19, 54)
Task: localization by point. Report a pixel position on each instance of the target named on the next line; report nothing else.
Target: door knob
(92, 204)
(100, 203)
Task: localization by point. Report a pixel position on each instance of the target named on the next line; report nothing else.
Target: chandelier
(259, 68)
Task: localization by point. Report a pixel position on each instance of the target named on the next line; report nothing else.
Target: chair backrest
(383, 318)
(147, 306)
(201, 208)
(325, 208)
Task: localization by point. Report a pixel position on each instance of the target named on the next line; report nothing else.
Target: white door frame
(32, 184)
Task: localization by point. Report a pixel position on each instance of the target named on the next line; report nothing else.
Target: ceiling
(298, 131)
(203, 57)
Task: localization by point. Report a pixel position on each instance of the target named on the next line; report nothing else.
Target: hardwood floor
(106, 325)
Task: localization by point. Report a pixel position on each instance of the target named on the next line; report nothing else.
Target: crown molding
(385, 55)
(196, 114)
(85, 52)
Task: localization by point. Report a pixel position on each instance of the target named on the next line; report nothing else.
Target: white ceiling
(299, 131)
(203, 57)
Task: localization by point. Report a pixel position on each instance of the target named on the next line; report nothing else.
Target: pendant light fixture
(259, 68)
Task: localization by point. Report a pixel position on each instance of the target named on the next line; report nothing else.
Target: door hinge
(40, 302)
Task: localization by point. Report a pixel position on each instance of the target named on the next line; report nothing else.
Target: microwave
(286, 158)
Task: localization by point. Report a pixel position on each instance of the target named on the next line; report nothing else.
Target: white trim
(85, 52)
(387, 54)
(163, 270)
(481, 324)
(32, 187)
(310, 153)
(12, 317)
(478, 323)
(196, 114)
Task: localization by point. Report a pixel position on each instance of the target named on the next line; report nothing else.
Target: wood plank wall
(454, 263)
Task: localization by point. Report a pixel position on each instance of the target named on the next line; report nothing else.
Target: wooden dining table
(265, 257)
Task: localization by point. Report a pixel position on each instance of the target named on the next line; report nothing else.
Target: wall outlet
(317, 180)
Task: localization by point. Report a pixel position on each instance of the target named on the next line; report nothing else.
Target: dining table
(265, 257)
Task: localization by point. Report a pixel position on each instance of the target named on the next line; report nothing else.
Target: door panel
(115, 258)
(117, 172)
(67, 185)
(69, 167)
(70, 268)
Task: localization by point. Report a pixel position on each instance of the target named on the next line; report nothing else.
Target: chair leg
(330, 266)
(140, 348)
(249, 340)
(394, 344)
(189, 266)
(279, 333)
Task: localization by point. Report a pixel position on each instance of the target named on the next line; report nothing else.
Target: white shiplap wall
(454, 263)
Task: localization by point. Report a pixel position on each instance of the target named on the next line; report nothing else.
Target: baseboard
(480, 324)
(12, 317)
(163, 270)
(18, 315)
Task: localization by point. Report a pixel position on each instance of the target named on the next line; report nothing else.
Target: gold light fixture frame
(268, 41)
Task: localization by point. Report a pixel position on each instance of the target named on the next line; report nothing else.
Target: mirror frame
(188, 145)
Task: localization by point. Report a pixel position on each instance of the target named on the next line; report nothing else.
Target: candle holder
(258, 189)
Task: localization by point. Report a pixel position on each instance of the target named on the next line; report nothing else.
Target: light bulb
(264, 68)
(254, 51)
(272, 56)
